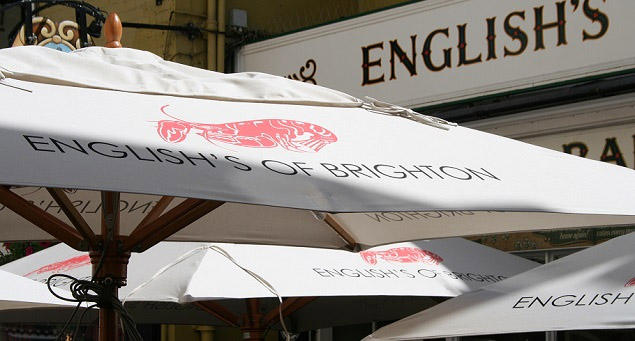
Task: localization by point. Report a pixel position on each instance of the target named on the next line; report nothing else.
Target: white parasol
(321, 287)
(590, 289)
(260, 159)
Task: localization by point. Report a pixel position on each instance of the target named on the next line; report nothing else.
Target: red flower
(29, 250)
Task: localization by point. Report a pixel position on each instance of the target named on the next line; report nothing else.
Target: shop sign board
(614, 144)
(438, 51)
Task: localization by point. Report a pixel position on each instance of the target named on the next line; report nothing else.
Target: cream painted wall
(272, 16)
(277, 16)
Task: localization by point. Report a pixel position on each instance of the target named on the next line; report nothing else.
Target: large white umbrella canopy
(18, 292)
(590, 289)
(272, 149)
(261, 159)
(199, 272)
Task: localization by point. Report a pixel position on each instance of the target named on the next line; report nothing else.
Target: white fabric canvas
(273, 148)
(383, 283)
(590, 289)
(137, 71)
(206, 271)
(17, 292)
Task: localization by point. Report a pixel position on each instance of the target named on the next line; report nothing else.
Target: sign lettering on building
(438, 51)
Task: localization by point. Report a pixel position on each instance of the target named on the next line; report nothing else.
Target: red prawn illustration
(630, 283)
(401, 255)
(292, 135)
(61, 266)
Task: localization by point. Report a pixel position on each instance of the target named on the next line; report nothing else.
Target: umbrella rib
(218, 311)
(289, 306)
(169, 223)
(75, 217)
(156, 211)
(341, 231)
(42, 219)
(145, 226)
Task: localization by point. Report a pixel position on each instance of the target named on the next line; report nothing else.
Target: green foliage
(20, 249)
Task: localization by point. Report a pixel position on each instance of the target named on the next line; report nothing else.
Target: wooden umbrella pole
(253, 334)
(110, 264)
(252, 327)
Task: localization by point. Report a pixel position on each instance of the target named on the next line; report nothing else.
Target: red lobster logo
(630, 283)
(61, 266)
(401, 255)
(295, 136)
